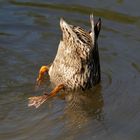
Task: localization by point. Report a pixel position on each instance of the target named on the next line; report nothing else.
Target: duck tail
(92, 28)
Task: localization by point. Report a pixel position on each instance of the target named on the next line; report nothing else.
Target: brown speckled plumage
(76, 64)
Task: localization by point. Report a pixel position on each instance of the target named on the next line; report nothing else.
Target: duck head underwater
(76, 65)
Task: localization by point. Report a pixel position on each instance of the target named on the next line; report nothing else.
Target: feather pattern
(77, 59)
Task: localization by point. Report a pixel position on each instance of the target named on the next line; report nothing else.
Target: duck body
(76, 64)
(69, 68)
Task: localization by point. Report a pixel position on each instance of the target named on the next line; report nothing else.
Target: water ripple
(107, 14)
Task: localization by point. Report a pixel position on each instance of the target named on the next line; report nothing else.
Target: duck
(76, 65)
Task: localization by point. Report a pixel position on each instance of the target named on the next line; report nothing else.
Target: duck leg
(43, 70)
(38, 100)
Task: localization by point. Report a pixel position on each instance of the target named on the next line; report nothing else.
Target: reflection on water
(29, 36)
(82, 106)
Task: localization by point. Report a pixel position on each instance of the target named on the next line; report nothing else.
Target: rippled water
(29, 36)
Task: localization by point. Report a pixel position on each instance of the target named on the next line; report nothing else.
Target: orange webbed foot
(43, 70)
(36, 101)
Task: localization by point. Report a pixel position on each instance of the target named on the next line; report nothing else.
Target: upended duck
(76, 65)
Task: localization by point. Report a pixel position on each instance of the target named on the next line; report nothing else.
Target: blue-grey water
(29, 37)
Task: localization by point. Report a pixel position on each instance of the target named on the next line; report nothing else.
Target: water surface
(29, 37)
